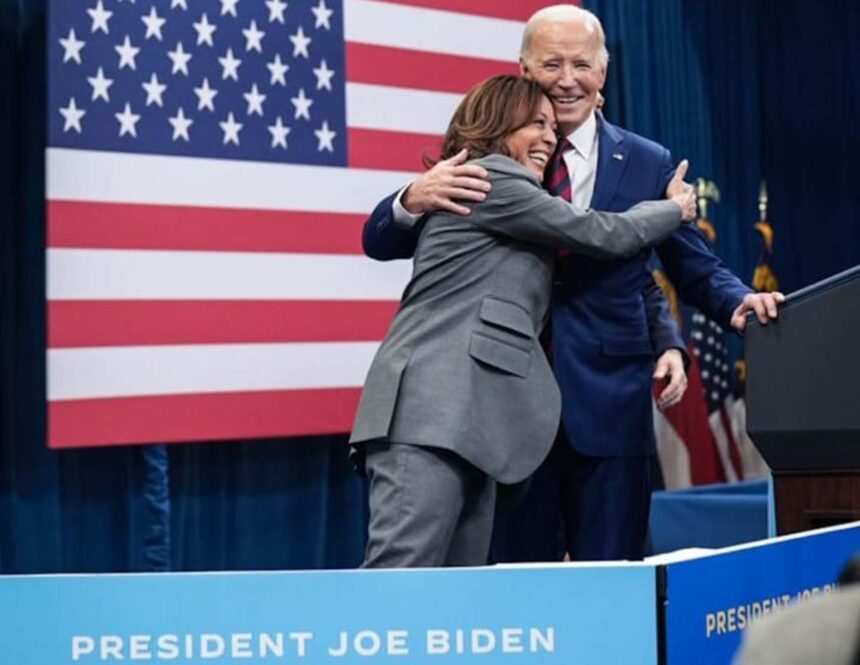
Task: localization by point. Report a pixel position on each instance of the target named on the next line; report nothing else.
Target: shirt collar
(584, 137)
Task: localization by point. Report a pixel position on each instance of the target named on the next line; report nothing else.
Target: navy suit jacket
(609, 318)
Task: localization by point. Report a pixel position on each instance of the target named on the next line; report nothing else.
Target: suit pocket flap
(500, 355)
(508, 316)
(626, 347)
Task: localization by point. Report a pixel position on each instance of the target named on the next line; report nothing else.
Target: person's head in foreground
(507, 115)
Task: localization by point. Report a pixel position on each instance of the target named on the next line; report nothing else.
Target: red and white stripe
(195, 299)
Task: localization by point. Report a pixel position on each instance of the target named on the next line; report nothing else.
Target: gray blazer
(461, 367)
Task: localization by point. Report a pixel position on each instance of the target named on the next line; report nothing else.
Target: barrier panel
(672, 610)
(558, 614)
(710, 599)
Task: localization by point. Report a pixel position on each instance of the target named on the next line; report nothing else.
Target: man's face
(564, 59)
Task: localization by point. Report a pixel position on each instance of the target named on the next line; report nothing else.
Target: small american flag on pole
(209, 166)
(707, 343)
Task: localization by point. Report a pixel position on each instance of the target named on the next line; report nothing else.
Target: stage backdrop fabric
(264, 504)
(209, 168)
(278, 504)
(750, 91)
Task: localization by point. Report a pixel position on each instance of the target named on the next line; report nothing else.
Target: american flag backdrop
(209, 167)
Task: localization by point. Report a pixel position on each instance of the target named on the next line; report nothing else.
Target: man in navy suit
(609, 319)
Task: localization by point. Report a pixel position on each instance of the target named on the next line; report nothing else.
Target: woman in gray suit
(460, 395)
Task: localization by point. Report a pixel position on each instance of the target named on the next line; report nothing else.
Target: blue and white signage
(519, 615)
(710, 600)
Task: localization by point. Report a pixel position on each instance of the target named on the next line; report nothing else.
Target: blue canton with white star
(258, 80)
(709, 347)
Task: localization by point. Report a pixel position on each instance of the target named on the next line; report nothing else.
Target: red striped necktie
(556, 180)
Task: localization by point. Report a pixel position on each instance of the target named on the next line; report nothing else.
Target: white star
(180, 125)
(127, 54)
(100, 85)
(325, 136)
(276, 10)
(323, 14)
(127, 121)
(278, 70)
(154, 89)
(205, 95)
(255, 101)
(323, 74)
(73, 116)
(300, 43)
(279, 133)
(302, 104)
(178, 3)
(230, 65)
(153, 23)
(180, 59)
(100, 17)
(228, 7)
(253, 37)
(231, 130)
(72, 47)
(204, 31)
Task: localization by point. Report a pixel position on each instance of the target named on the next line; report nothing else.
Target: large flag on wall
(210, 164)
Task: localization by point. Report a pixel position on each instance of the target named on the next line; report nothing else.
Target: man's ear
(524, 70)
(603, 76)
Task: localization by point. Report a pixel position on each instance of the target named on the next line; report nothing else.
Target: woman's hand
(682, 192)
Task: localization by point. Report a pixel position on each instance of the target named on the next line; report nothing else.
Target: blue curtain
(750, 90)
(747, 89)
(213, 506)
(810, 60)
(673, 79)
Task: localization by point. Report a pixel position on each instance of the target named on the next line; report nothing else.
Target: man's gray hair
(566, 14)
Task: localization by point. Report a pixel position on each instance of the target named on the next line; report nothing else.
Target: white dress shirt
(582, 161)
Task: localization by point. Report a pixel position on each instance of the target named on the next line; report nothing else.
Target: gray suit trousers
(428, 507)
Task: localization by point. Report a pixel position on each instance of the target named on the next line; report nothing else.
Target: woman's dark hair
(488, 113)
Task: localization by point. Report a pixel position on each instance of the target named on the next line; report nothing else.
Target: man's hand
(765, 306)
(670, 366)
(682, 192)
(448, 181)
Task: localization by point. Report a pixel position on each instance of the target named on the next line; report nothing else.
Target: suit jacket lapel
(611, 163)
